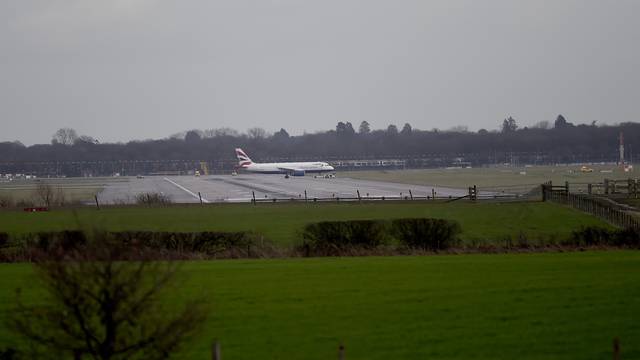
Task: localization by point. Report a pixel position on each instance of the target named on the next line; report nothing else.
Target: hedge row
(209, 244)
(336, 237)
(596, 236)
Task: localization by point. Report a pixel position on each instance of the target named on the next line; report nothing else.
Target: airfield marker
(184, 189)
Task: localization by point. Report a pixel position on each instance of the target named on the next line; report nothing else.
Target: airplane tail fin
(243, 159)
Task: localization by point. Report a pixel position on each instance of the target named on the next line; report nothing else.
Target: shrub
(591, 236)
(6, 202)
(65, 240)
(597, 236)
(209, 243)
(427, 234)
(331, 237)
(162, 244)
(4, 239)
(628, 237)
(153, 198)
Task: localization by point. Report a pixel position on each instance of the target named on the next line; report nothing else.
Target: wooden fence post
(215, 351)
(253, 193)
(341, 352)
(616, 349)
(200, 196)
(97, 203)
(410, 194)
(305, 196)
(606, 186)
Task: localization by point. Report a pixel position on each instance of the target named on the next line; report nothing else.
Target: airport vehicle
(287, 168)
(586, 169)
(197, 173)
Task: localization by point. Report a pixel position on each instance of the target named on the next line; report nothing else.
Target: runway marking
(186, 190)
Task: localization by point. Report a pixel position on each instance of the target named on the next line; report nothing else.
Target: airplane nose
(330, 168)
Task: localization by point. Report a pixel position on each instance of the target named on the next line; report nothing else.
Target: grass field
(280, 223)
(74, 189)
(493, 177)
(527, 306)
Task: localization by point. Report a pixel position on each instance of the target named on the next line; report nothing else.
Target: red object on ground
(35, 209)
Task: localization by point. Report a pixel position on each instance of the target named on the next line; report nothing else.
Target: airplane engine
(297, 173)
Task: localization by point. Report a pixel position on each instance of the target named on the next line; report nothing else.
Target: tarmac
(241, 188)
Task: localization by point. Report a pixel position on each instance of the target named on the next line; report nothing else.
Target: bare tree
(221, 132)
(544, 124)
(45, 194)
(65, 136)
(104, 301)
(257, 133)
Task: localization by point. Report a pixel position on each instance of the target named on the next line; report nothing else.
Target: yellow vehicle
(586, 169)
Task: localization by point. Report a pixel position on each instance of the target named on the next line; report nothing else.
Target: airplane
(287, 168)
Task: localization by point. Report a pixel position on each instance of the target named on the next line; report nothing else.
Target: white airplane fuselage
(289, 168)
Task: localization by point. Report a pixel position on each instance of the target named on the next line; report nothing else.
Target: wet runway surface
(227, 188)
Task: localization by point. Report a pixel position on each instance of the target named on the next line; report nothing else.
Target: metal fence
(593, 205)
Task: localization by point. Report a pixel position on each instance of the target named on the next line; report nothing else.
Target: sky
(119, 70)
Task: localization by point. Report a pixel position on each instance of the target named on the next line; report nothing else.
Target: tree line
(561, 140)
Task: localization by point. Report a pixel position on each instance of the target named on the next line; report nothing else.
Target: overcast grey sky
(135, 69)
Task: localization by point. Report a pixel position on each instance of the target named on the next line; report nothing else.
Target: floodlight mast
(621, 149)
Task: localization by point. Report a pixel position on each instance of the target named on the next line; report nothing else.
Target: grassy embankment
(527, 306)
(281, 223)
(72, 189)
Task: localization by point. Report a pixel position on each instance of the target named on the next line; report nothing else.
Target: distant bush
(64, 240)
(332, 237)
(159, 245)
(4, 240)
(233, 244)
(628, 237)
(426, 234)
(6, 202)
(153, 198)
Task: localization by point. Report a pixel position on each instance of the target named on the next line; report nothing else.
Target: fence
(598, 207)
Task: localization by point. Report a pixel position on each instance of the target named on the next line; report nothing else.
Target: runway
(240, 188)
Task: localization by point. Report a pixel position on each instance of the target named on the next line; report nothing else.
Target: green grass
(73, 189)
(494, 178)
(527, 306)
(281, 223)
